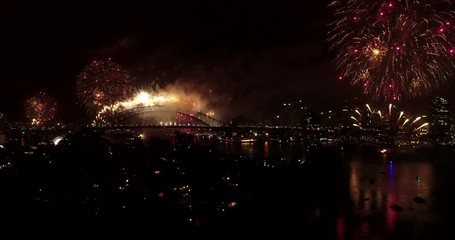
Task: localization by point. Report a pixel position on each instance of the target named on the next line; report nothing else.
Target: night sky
(252, 54)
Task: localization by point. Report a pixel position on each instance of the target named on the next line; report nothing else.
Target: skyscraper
(439, 130)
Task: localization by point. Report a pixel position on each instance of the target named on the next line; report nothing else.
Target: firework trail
(391, 120)
(394, 48)
(103, 83)
(40, 108)
(173, 98)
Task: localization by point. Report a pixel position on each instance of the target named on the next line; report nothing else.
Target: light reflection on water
(375, 186)
(260, 150)
(378, 181)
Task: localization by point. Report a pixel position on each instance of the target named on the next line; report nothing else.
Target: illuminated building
(347, 111)
(312, 119)
(292, 113)
(329, 119)
(439, 121)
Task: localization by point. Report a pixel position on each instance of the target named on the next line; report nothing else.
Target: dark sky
(254, 53)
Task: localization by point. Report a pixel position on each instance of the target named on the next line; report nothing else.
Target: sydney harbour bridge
(140, 119)
(158, 116)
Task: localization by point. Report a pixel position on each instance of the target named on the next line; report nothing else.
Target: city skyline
(250, 55)
(142, 119)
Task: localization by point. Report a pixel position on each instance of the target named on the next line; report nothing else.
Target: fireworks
(391, 121)
(103, 83)
(40, 108)
(173, 98)
(394, 48)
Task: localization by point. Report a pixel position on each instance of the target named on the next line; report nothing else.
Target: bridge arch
(160, 115)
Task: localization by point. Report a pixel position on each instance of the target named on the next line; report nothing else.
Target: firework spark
(103, 83)
(173, 98)
(40, 108)
(391, 121)
(394, 48)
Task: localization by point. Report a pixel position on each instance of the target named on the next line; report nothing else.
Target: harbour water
(91, 189)
(363, 194)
